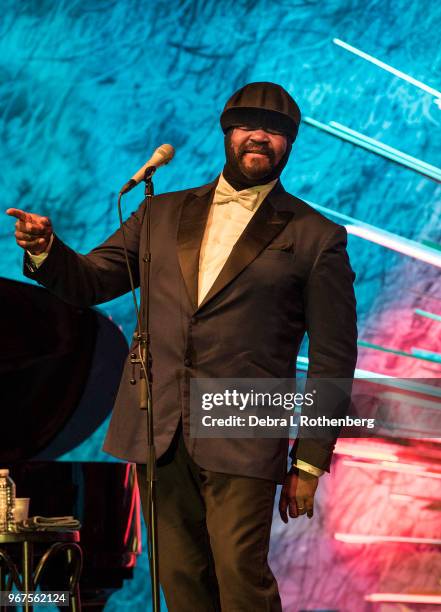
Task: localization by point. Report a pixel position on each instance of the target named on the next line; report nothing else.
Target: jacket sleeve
(99, 276)
(331, 325)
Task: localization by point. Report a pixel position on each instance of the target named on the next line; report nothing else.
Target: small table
(28, 579)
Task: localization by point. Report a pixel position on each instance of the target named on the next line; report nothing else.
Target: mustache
(263, 149)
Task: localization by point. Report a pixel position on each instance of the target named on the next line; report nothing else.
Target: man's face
(257, 150)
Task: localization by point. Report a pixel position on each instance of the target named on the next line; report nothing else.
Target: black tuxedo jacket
(288, 274)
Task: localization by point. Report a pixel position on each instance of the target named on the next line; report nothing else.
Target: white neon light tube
(388, 68)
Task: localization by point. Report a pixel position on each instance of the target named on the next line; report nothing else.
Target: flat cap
(262, 105)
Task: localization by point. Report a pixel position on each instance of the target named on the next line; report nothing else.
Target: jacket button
(187, 363)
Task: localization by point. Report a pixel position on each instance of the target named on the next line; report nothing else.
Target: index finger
(17, 213)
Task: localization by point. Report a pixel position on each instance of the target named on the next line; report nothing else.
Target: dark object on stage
(60, 368)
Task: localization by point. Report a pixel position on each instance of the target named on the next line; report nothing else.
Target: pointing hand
(32, 232)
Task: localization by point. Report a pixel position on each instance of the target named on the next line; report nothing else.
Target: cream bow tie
(246, 197)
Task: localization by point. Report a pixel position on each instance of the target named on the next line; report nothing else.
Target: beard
(243, 170)
(255, 161)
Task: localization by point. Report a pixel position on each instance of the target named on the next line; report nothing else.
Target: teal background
(89, 90)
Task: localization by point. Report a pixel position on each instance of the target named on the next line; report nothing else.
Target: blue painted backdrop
(88, 90)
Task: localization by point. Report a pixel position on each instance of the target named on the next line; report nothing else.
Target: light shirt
(229, 215)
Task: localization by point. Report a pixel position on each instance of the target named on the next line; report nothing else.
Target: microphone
(160, 157)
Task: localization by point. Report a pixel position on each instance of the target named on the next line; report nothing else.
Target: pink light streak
(358, 538)
(404, 598)
(357, 450)
(404, 497)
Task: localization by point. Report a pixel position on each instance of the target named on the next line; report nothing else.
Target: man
(240, 270)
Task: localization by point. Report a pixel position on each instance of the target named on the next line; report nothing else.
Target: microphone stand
(146, 402)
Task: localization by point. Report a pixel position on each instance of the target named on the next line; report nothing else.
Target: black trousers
(213, 536)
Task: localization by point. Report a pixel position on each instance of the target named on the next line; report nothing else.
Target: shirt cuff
(37, 260)
(307, 467)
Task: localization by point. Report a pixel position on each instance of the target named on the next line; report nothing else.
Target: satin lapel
(261, 230)
(190, 233)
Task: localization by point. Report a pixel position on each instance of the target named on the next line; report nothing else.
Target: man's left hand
(297, 496)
